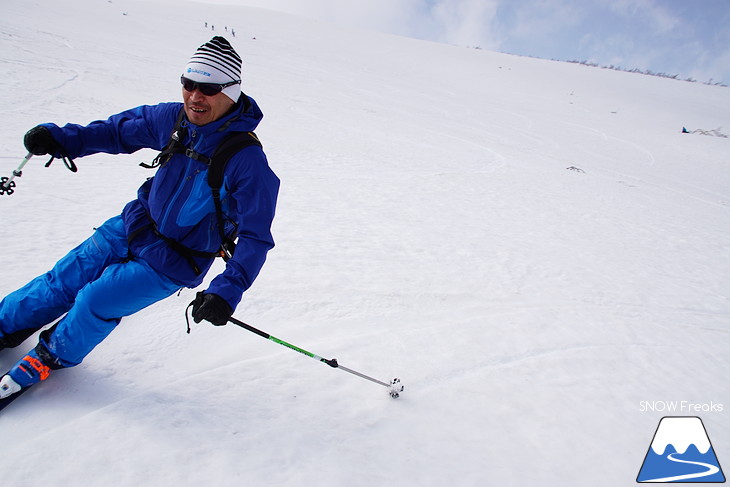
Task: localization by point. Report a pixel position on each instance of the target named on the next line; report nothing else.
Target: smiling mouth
(198, 109)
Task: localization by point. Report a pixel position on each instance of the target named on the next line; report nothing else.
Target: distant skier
(167, 237)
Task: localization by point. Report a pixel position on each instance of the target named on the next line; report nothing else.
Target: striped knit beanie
(216, 62)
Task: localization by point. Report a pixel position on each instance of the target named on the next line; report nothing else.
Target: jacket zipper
(180, 185)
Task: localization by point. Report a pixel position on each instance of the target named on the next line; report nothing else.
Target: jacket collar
(244, 116)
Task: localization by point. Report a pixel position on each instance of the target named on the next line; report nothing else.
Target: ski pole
(394, 387)
(7, 184)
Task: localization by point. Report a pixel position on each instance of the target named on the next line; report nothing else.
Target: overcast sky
(689, 38)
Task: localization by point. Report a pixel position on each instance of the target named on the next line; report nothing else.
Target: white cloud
(655, 16)
(538, 19)
(466, 22)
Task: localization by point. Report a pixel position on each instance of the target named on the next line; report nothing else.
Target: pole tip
(395, 388)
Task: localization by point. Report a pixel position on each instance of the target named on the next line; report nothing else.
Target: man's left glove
(211, 307)
(39, 141)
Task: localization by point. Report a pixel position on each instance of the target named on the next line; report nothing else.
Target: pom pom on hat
(216, 62)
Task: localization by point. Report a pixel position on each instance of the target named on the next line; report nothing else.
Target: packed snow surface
(534, 248)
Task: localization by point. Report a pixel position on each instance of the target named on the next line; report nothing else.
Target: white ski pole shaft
(6, 183)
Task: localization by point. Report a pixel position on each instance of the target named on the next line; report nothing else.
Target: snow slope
(429, 227)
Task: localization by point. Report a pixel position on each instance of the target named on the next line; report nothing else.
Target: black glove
(211, 307)
(39, 141)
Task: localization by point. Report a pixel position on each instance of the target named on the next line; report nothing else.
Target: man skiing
(167, 237)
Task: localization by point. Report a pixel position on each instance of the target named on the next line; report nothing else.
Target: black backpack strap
(230, 146)
(175, 146)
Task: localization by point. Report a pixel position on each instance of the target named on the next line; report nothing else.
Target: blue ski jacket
(178, 198)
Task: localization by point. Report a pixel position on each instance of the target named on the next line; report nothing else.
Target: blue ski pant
(94, 285)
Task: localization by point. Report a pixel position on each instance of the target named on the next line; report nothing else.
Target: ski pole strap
(187, 317)
(68, 162)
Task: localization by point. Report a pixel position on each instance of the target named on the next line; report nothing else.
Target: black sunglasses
(208, 89)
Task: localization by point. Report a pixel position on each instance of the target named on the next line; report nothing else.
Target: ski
(5, 402)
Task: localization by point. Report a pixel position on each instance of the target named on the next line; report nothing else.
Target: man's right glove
(39, 141)
(211, 307)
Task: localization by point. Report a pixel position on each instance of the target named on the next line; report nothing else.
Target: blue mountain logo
(681, 452)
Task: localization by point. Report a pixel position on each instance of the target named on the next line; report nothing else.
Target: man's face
(202, 109)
